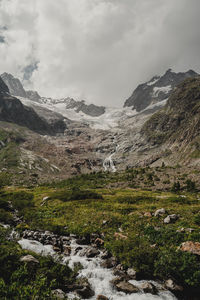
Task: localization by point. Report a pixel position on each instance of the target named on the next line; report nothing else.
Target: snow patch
(163, 89)
(153, 81)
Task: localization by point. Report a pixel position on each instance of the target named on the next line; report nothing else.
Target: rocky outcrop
(12, 110)
(157, 89)
(3, 87)
(179, 121)
(88, 109)
(33, 95)
(14, 85)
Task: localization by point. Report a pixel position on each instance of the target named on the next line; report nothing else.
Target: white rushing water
(98, 277)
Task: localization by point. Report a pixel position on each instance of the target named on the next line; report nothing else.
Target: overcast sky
(97, 50)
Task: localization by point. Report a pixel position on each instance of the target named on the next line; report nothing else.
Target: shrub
(190, 186)
(75, 194)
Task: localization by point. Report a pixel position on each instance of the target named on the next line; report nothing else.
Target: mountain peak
(159, 88)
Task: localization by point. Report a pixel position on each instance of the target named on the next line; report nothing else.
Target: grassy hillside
(123, 216)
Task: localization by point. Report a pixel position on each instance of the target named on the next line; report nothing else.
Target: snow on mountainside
(97, 117)
(157, 89)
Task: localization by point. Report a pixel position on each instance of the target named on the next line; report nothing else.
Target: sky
(97, 50)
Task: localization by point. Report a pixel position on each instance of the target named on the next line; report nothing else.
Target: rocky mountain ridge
(16, 89)
(129, 138)
(157, 89)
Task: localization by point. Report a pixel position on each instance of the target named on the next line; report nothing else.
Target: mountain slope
(12, 110)
(157, 89)
(179, 120)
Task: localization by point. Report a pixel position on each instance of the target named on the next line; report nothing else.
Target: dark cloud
(28, 71)
(2, 39)
(98, 50)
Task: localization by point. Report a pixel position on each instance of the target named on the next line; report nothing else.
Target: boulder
(101, 297)
(171, 219)
(159, 212)
(131, 273)
(106, 254)
(67, 250)
(92, 252)
(172, 286)
(59, 294)
(99, 242)
(149, 288)
(109, 263)
(191, 247)
(29, 259)
(126, 287)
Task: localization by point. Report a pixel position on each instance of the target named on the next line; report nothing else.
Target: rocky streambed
(101, 276)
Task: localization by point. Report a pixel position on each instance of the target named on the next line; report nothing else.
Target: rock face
(16, 88)
(171, 123)
(89, 109)
(12, 110)
(3, 87)
(14, 85)
(157, 89)
(33, 95)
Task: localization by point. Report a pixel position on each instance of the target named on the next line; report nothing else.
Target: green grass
(86, 204)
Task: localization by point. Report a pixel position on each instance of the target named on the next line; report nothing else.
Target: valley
(101, 203)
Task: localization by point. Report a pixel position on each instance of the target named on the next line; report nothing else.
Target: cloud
(98, 50)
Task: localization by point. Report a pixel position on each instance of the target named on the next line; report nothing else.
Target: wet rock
(56, 249)
(171, 219)
(106, 254)
(120, 273)
(159, 212)
(131, 273)
(191, 247)
(126, 287)
(29, 259)
(109, 263)
(59, 294)
(85, 292)
(149, 288)
(84, 289)
(101, 297)
(83, 240)
(77, 249)
(99, 243)
(172, 286)
(92, 252)
(67, 250)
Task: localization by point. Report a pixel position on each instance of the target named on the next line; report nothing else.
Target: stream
(98, 276)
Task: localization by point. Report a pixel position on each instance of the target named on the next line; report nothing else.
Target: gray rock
(29, 259)
(171, 285)
(126, 287)
(171, 219)
(92, 252)
(131, 273)
(59, 294)
(101, 297)
(149, 288)
(159, 212)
